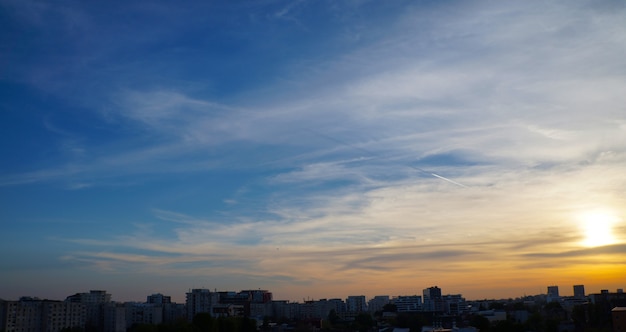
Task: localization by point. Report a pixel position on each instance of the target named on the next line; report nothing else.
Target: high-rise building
(22, 315)
(32, 314)
(432, 299)
(356, 303)
(94, 302)
(579, 291)
(200, 300)
(432, 292)
(553, 290)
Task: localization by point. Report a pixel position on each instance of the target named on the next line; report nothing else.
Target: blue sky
(312, 148)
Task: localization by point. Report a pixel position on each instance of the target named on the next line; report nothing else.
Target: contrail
(375, 156)
(439, 176)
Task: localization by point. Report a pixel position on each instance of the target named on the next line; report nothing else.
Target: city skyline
(104, 294)
(312, 148)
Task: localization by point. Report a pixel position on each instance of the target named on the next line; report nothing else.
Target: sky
(316, 149)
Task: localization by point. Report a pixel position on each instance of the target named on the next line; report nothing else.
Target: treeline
(202, 322)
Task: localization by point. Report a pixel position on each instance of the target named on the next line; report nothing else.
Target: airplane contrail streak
(374, 155)
(446, 179)
(439, 176)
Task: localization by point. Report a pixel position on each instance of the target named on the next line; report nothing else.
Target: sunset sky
(316, 149)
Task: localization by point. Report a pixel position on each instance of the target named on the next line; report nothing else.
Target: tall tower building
(553, 294)
(553, 291)
(356, 303)
(432, 292)
(432, 299)
(579, 291)
(200, 300)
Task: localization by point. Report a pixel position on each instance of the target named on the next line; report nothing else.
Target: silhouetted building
(411, 303)
(605, 302)
(94, 302)
(245, 299)
(553, 291)
(579, 291)
(159, 299)
(356, 303)
(609, 299)
(553, 294)
(432, 299)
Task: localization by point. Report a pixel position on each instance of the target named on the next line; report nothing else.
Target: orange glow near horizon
(503, 282)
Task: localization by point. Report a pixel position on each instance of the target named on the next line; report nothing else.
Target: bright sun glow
(597, 226)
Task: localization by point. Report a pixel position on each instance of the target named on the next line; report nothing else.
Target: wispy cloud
(460, 137)
(617, 249)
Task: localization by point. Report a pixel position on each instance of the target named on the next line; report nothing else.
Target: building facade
(618, 314)
(454, 304)
(411, 303)
(200, 300)
(32, 314)
(356, 303)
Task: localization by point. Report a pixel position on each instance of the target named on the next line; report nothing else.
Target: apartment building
(35, 315)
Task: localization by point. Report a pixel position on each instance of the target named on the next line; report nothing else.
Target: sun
(597, 227)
